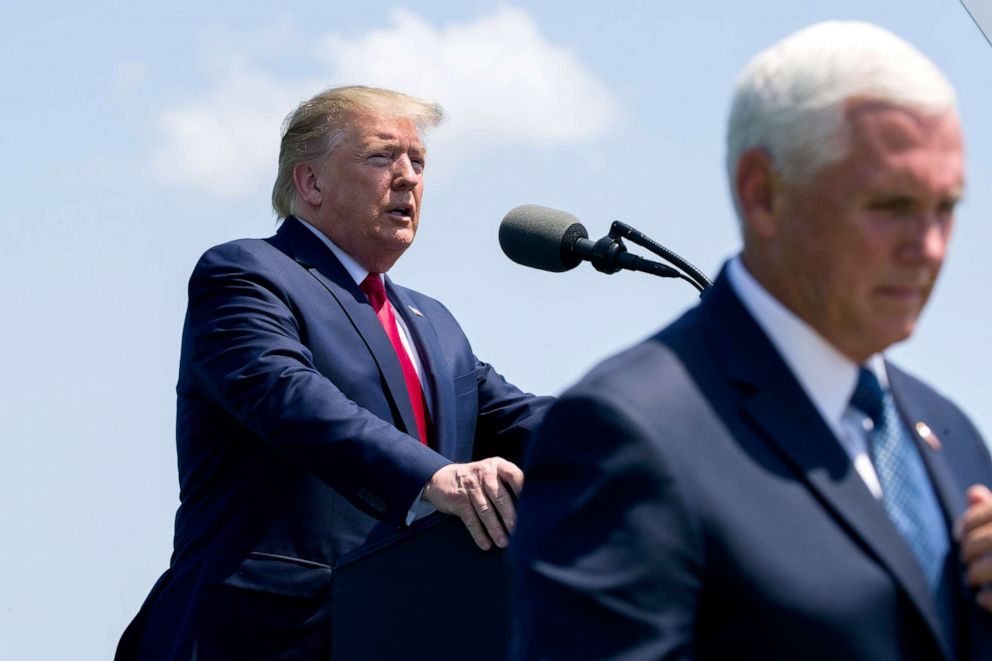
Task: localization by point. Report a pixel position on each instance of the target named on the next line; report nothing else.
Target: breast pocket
(467, 383)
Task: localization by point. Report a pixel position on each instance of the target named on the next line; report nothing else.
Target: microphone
(542, 238)
(552, 240)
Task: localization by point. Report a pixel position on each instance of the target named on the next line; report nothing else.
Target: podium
(423, 592)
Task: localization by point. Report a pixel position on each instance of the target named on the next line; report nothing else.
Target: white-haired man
(320, 405)
(757, 481)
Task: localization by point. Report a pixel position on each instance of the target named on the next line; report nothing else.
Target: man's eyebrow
(388, 139)
(882, 196)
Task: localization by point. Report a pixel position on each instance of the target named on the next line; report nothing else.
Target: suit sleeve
(505, 416)
(508, 417)
(244, 351)
(608, 560)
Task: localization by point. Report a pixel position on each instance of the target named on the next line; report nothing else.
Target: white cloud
(500, 81)
(227, 142)
(498, 78)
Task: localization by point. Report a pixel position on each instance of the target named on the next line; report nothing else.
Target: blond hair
(312, 131)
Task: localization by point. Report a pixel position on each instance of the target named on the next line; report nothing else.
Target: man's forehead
(392, 137)
(376, 128)
(889, 126)
(890, 149)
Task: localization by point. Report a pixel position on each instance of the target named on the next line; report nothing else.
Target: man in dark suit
(320, 404)
(756, 481)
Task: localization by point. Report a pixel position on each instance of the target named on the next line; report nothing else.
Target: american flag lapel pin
(927, 436)
(415, 311)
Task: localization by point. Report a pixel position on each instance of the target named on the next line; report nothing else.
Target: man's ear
(305, 179)
(757, 191)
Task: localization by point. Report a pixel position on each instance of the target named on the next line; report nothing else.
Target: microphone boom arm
(552, 240)
(692, 275)
(609, 255)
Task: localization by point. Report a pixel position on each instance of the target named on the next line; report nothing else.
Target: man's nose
(929, 241)
(405, 175)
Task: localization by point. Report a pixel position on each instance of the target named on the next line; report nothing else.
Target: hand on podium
(481, 494)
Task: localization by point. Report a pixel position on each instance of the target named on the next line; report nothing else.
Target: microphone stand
(692, 275)
(607, 253)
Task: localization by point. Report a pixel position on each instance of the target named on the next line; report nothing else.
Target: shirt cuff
(419, 509)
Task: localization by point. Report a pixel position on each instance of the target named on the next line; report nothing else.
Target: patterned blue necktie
(907, 492)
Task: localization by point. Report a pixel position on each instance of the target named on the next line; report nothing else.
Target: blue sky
(133, 136)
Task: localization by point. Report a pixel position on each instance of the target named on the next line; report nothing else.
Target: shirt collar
(827, 375)
(354, 269)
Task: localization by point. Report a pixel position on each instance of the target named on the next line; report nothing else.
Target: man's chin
(402, 240)
(896, 331)
(389, 251)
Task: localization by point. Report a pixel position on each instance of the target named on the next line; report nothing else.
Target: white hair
(790, 99)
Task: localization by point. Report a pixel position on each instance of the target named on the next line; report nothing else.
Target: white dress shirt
(826, 375)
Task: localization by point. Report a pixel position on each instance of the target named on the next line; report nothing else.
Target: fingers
(491, 501)
(979, 510)
(974, 528)
(475, 527)
(979, 493)
(511, 475)
(974, 531)
(977, 543)
(984, 598)
(448, 491)
(979, 572)
(481, 494)
(501, 481)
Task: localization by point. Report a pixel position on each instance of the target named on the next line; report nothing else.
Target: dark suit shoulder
(659, 360)
(258, 263)
(641, 360)
(610, 483)
(244, 252)
(644, 397)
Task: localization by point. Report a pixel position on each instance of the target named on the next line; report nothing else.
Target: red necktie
(376, 293)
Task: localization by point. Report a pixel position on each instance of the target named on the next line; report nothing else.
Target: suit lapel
(772, 399)
(314, 256)
(440, 382)
(927, 434)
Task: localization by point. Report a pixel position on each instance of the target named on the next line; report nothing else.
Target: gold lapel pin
(927, 435)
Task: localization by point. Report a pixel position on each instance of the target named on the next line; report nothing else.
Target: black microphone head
(541, 238)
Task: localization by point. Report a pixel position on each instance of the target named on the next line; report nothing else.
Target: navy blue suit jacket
(686, 500)
(294, 444)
